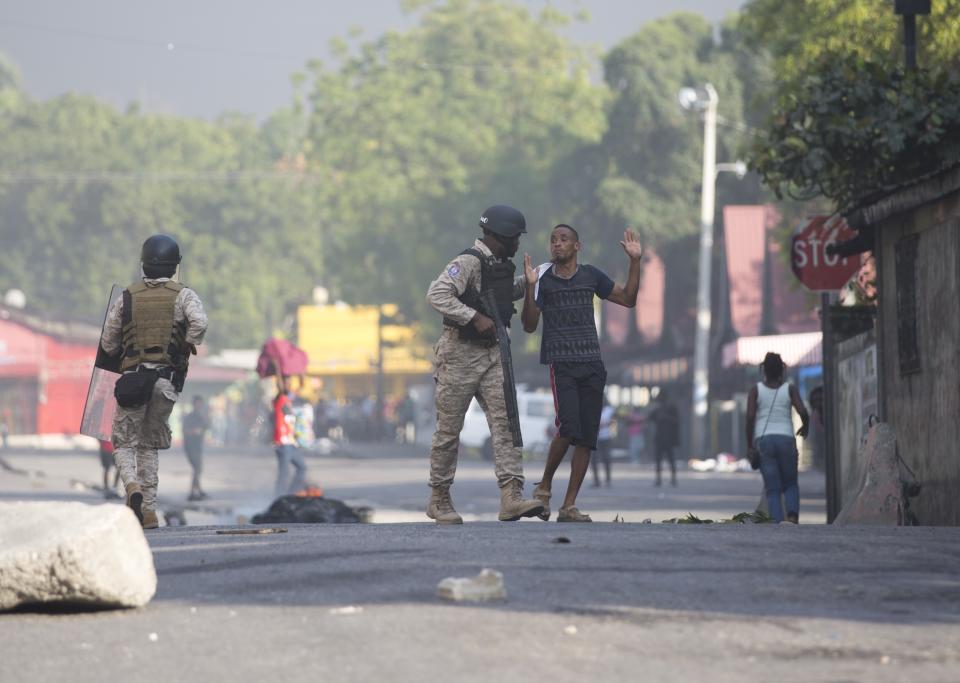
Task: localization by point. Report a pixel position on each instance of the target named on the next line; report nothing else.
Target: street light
(705, 100)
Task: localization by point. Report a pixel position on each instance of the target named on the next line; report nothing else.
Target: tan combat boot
(135, 499)
(150, 520)
(440, 506)
(542, 495)
(513, 506)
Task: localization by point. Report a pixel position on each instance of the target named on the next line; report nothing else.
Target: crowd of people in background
(628, 433)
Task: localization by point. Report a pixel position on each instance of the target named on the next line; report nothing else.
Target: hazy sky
(203, 57)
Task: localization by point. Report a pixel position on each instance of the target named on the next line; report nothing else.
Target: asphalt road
(391, 479)
(619, 602)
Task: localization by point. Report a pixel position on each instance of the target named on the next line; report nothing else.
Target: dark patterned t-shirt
(569, 330)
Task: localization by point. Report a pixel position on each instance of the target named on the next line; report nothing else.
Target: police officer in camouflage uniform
(468, 363)
(153, 328)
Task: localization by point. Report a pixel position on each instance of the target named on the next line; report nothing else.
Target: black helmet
(503, 220)
(160, 250)
(160, 255)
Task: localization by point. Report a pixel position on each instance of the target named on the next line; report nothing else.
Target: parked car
(537, 418)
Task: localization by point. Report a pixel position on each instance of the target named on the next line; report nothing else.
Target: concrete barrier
(881, 495)
(92, 555)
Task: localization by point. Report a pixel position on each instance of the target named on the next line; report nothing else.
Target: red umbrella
(279, 353)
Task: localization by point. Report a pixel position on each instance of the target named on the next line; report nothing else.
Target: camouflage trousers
(138, 433)
(464, 370)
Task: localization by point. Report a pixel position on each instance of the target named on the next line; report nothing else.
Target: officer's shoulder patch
(453, 270)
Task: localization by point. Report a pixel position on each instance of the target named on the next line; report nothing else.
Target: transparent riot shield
(101, 405)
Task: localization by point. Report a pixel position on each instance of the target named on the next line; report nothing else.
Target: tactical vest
(495, 275)
(150, 334)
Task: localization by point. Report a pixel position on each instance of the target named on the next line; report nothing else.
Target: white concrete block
(487, 585)
(75, 553)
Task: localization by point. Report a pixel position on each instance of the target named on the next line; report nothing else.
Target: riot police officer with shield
(468, 362)
(151, 332)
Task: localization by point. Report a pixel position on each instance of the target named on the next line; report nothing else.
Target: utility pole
(701, 359)
(691, 99)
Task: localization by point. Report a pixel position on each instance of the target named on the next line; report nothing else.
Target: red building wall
(43, 381)
(68, 367)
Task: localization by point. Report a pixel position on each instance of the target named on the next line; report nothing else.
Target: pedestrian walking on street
(563, 291)
(635, 437)
(468, 363)
(666, 422)
(604, 443)
(285, 442)
(770, 437)
(153, 329)
(195, 426)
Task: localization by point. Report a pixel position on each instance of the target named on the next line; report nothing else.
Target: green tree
(849, 122)
(417, 132)
(646, 171)
(803, 36)
(81, 186)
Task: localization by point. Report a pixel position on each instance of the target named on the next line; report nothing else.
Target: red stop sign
(808, 254)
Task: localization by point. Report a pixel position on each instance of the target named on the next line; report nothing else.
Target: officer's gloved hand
(484, 325)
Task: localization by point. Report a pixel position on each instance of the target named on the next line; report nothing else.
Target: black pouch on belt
(134, 389)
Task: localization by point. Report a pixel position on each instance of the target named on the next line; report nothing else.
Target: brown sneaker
(513, 506)
(150, 520)
(440, 507)
(135, 500)
(572, 514)
(542, 496)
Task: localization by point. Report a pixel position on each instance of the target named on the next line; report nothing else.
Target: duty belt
(165, 372)
(484, 343)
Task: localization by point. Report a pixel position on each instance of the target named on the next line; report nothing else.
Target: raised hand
(631, 245)
(528, 270)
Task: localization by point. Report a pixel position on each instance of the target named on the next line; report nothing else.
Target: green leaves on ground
(756, 517)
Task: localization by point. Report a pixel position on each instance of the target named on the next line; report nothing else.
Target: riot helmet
(160, 256)
(504, 221)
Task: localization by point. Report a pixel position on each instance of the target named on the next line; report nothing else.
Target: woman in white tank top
(770, 433)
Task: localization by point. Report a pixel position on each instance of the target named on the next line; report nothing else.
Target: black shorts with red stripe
(578, 399)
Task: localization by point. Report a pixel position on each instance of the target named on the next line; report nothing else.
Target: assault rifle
(506, 361)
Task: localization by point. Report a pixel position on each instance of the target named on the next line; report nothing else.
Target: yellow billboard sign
(343, 340)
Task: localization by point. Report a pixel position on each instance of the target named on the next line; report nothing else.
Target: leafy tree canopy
(82, 185)
(418, 132)
(645, 173)
(848, 122)
(801, 35)
(858, 129)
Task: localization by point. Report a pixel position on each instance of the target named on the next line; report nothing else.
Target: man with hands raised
(562, 291)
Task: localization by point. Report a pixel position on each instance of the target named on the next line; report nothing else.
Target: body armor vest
(495, 275)
(150, 334)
